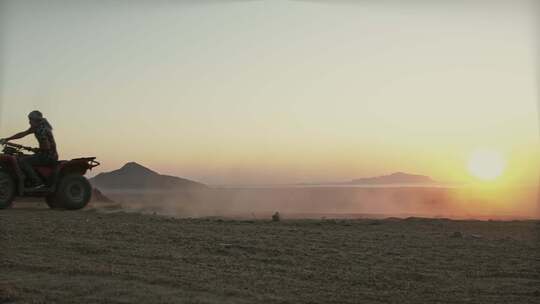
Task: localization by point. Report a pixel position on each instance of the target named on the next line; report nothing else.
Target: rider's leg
(28, 162)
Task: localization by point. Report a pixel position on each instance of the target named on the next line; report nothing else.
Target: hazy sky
(277, 91)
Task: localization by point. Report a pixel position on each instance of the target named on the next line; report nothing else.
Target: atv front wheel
(7, 190)
(74, 192)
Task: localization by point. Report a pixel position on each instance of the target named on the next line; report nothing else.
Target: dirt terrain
(96, 257)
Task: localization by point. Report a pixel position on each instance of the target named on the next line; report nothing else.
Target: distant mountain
(137, 177)
(394, 178)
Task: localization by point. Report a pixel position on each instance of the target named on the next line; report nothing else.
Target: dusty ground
(91, 257)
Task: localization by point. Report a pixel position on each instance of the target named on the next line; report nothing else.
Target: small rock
(476, 236)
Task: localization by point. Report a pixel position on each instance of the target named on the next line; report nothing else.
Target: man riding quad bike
(61, 183)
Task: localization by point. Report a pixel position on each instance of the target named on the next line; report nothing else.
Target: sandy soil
(95, 257)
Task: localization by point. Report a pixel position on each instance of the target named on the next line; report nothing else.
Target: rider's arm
(20, 135)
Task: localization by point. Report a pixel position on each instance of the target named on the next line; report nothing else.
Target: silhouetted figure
(46, 154)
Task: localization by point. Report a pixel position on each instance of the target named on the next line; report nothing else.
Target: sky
(276, 92)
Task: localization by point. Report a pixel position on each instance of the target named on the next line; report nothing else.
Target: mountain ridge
(393, 178)
(135, 176)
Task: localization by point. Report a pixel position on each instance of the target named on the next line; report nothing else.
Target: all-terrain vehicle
(66, 186)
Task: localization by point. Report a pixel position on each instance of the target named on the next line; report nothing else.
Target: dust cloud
(331, 202)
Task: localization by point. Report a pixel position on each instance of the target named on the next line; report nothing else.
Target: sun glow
(486, 165)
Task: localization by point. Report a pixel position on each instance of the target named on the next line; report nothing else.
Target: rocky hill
(137, 177)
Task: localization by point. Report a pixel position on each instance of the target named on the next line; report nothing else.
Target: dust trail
(330, 202)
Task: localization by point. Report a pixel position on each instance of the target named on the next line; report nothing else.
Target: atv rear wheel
(52, 202)
(73, 193)
(7, 190)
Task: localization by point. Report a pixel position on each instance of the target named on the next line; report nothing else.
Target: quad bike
(65, 184)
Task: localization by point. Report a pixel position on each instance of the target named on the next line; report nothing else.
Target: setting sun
(486, 165)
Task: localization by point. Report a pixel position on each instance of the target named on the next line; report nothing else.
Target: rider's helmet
(35, 115)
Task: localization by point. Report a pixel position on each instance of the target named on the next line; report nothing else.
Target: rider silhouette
(46, 154)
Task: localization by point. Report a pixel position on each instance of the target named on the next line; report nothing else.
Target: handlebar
(21, 147)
